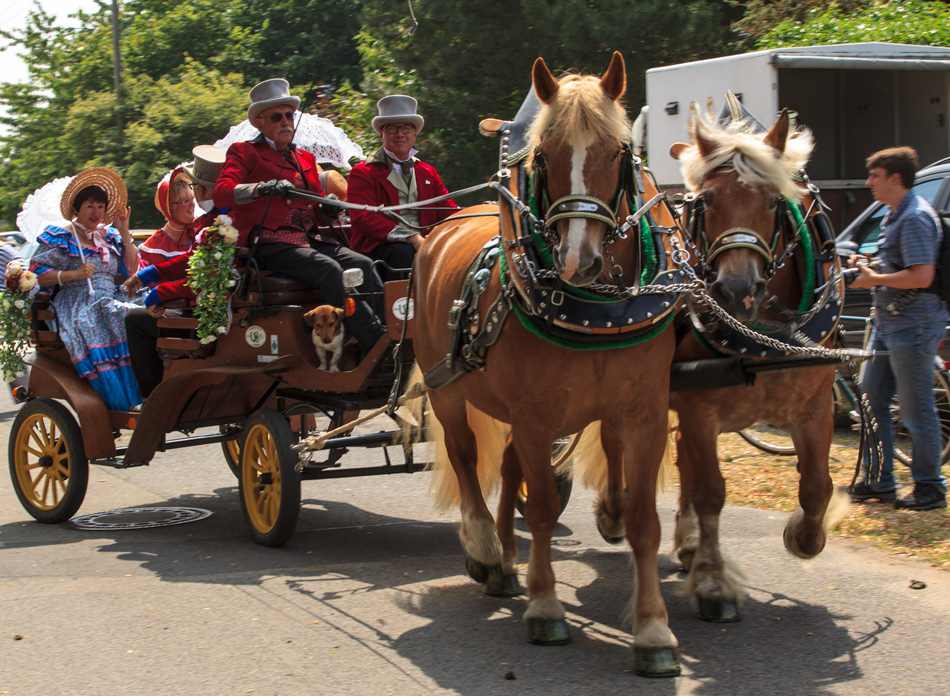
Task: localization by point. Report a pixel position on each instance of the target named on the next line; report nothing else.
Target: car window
(870, 231)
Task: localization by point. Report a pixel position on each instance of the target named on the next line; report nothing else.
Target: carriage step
(178, 323)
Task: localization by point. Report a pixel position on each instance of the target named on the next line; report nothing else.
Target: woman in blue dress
(82, 259)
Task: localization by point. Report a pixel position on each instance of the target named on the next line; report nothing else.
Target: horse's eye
(709, 197)
(774, 202)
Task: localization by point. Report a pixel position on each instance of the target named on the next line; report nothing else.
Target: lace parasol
(318, 136)
(42, 208)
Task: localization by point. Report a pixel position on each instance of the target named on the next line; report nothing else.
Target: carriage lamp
(352, 278)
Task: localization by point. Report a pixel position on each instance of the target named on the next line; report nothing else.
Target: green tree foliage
(759, 17)
(186, 71)
(468, 61)
(187, 66)
(922, 22)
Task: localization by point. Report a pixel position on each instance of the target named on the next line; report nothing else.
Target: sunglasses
(278, 116)
(405, 129)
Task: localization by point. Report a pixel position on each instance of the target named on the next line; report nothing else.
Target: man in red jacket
(256, 176)
(393, 175)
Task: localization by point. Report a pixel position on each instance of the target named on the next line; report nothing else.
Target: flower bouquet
(211, 276)
(15, 303)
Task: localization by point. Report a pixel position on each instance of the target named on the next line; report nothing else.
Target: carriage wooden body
(261, 381)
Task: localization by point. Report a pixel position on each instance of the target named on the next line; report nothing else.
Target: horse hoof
(656, 662)
(686, 559)
(718, 610)
(548, 632)
(479, 572)
(507, 586)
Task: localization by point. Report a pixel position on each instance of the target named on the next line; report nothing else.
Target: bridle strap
(578, 205)
(740, 238)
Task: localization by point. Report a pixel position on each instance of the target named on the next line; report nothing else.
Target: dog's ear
(339, 313)
(308, 318)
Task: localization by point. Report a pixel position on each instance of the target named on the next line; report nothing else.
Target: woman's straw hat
(332, 181)
(103, 178)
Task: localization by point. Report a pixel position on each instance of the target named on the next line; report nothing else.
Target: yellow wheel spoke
(35, 453)
(45, 495)
(39, 437)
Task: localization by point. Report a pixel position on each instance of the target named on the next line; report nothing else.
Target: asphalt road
(370, 597)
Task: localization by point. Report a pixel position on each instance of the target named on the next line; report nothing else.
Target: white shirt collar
(412, 153)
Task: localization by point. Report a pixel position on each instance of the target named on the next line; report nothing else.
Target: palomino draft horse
(543, 389)
(769, 264)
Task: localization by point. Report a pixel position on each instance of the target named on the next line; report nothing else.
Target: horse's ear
(545, 86)
(698, 135)
(779, 133)
(614, 81)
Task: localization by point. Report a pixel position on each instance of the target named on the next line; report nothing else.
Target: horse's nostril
(596, 267)
(721, 290)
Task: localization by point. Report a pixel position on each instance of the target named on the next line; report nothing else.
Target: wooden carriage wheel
(231, 449)
(269, 485)
(48, 464)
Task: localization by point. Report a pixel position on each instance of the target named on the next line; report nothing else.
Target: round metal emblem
(404, 309)
(255, 336)
(137, 518)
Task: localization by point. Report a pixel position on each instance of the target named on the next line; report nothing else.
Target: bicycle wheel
(769, 438)
(903, 446)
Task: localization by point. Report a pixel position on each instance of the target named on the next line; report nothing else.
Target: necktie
(406, 169)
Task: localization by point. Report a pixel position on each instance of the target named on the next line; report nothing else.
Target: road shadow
(807, 651)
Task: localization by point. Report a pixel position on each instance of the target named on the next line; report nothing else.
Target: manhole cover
(138, 518)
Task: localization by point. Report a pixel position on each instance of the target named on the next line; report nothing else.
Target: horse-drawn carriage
(581, 260)
(259, 385)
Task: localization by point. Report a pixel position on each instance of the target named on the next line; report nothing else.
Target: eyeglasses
(190, 202)
(405, 128)
(278, 116)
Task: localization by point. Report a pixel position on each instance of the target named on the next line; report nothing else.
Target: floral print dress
(92, 326)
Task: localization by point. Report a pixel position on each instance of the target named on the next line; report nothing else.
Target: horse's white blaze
(577, 228)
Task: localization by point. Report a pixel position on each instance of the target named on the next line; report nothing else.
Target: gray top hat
(270, 93)
(207, 165)
(397, 108)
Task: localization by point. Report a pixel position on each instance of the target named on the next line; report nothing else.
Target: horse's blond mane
(580, 111)
(755, 162)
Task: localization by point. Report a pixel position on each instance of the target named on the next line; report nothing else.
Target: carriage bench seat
(43, 322)
(283, 291)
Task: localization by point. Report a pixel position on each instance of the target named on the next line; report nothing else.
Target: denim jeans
(907, 369)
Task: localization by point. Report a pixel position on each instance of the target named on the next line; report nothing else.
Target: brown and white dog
(327, 332)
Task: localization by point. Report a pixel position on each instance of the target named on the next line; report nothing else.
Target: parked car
(932, 183)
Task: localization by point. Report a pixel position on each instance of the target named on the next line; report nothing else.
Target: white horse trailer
(856, 98)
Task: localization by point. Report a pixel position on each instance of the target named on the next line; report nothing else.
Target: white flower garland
(15, 304)
(211, 276)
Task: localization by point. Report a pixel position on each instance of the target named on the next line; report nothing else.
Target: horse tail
(589, 464)
(417, 410)
(665, 477)
(490, 434)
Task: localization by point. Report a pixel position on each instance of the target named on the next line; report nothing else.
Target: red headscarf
(163, 196)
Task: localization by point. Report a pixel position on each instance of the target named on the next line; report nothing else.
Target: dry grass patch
(757, 479)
